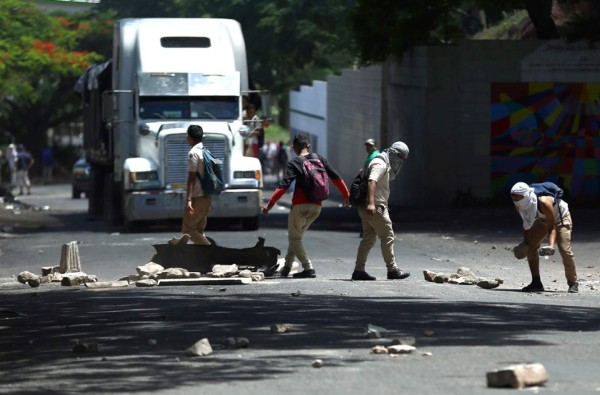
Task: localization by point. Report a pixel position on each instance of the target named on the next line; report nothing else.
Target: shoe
(358, 275)
(534, 287)
(397, 275)
(285, 271)
(306, 273)
(574, 288)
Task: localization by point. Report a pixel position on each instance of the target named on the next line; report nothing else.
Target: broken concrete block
(205, 281)
(245, 273)
(34, 282)
(429, 275)
(258, 276)
(57, 277)
(379, 350)
(281, 328)
(401, 349)
(149, 269)
(521, 250)
(173, 273)
(73, 279)
(518, 376)
(23, 277)
(487, 284)
(47, 278)
(441, 278)
(195, 274)
(146, 283)
(467, 274)
(69, 258)
(224, 270)
(107, 284)
(201, 347)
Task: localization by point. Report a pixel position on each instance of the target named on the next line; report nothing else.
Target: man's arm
(371, 196)
(548, 210)
(191, 180)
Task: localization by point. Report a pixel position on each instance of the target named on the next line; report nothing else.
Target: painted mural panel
(546, 132)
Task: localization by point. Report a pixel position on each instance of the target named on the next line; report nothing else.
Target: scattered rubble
(375, 332)
(281, 328)
(463, 276)
(317, 363)
(518, 376)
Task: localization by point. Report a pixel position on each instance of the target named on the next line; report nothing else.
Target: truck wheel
(250, 223)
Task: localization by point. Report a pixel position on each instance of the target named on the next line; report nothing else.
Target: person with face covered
(543, 217)
(375, 216)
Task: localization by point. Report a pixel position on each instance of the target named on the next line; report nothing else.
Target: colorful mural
(546, 132)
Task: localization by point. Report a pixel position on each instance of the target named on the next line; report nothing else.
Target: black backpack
(549, 189)
(359, 188)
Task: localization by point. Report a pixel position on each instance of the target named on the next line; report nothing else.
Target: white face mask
(527, 208)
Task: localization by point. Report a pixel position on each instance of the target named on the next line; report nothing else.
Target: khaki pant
(538, 233)
(299, 220)
(194, 224)
(376, 225)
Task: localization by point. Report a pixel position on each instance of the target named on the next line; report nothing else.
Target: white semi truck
(165, 75)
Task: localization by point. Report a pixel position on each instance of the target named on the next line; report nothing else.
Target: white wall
(308, 114)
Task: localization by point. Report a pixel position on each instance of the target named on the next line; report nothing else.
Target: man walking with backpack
(197, 203)
(374, 214)
(544, 216)
(311, 173)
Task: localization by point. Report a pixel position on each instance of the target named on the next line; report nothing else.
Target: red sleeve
(276, 196)
(341, 186)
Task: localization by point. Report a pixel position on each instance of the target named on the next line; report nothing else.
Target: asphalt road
(142, 333)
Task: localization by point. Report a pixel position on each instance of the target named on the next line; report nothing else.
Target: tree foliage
(40, 60)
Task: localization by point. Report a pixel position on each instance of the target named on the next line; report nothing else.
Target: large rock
(429, 275)
(69, 258)
(488, 284)
(518, 376)
(23, 277)
(200, 348)
(149, 269)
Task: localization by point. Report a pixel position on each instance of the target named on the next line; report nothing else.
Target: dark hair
(301, 140)
(195, 132)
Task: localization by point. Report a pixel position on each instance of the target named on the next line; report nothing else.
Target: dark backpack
(315, 179)
(213, 182)
(359, 188)
(549, 189)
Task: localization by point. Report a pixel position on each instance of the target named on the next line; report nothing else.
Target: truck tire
(250, 223)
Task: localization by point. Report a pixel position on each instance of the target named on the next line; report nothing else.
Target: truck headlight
(143, 176)
(254, 174)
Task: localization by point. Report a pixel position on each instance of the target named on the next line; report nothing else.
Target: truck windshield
(206, 107)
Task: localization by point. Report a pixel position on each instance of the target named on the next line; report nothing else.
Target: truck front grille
(176, 151)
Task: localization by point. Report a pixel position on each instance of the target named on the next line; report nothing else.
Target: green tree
(40, 63)
(390, 27)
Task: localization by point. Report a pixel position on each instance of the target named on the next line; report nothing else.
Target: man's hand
(371, 209)
(346, 202)
(189, 208)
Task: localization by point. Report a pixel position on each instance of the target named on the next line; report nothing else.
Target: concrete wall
(438, 101)
(308, 114)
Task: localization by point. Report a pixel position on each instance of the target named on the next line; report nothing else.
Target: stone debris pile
(463, 276)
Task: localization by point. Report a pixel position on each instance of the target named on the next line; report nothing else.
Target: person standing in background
(23, 164)
(47, 164)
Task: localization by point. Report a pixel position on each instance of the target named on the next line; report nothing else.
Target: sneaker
(306, 273)
(534, 287)
(397, 274)
(285, 271)
(358, 275)
(574, 288)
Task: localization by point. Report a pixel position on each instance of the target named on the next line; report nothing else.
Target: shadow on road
(124, 322)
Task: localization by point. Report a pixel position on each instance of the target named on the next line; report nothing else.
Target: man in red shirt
(303, 212)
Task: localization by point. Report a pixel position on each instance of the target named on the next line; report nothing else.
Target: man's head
(525, 202)
(300, 142)
(519, 191)
(396, 154)
(370, 145)
(195, 134)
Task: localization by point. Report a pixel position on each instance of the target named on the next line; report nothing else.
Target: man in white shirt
(375, 217)
(197, 203)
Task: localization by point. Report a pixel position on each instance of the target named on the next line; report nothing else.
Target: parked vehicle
(165, 75)
(81, 178)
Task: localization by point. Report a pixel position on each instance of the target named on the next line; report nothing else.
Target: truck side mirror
(265, 98)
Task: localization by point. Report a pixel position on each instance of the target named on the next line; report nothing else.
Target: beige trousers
(299, 220)
(376, 225)
(538, 233)
(194, 224)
